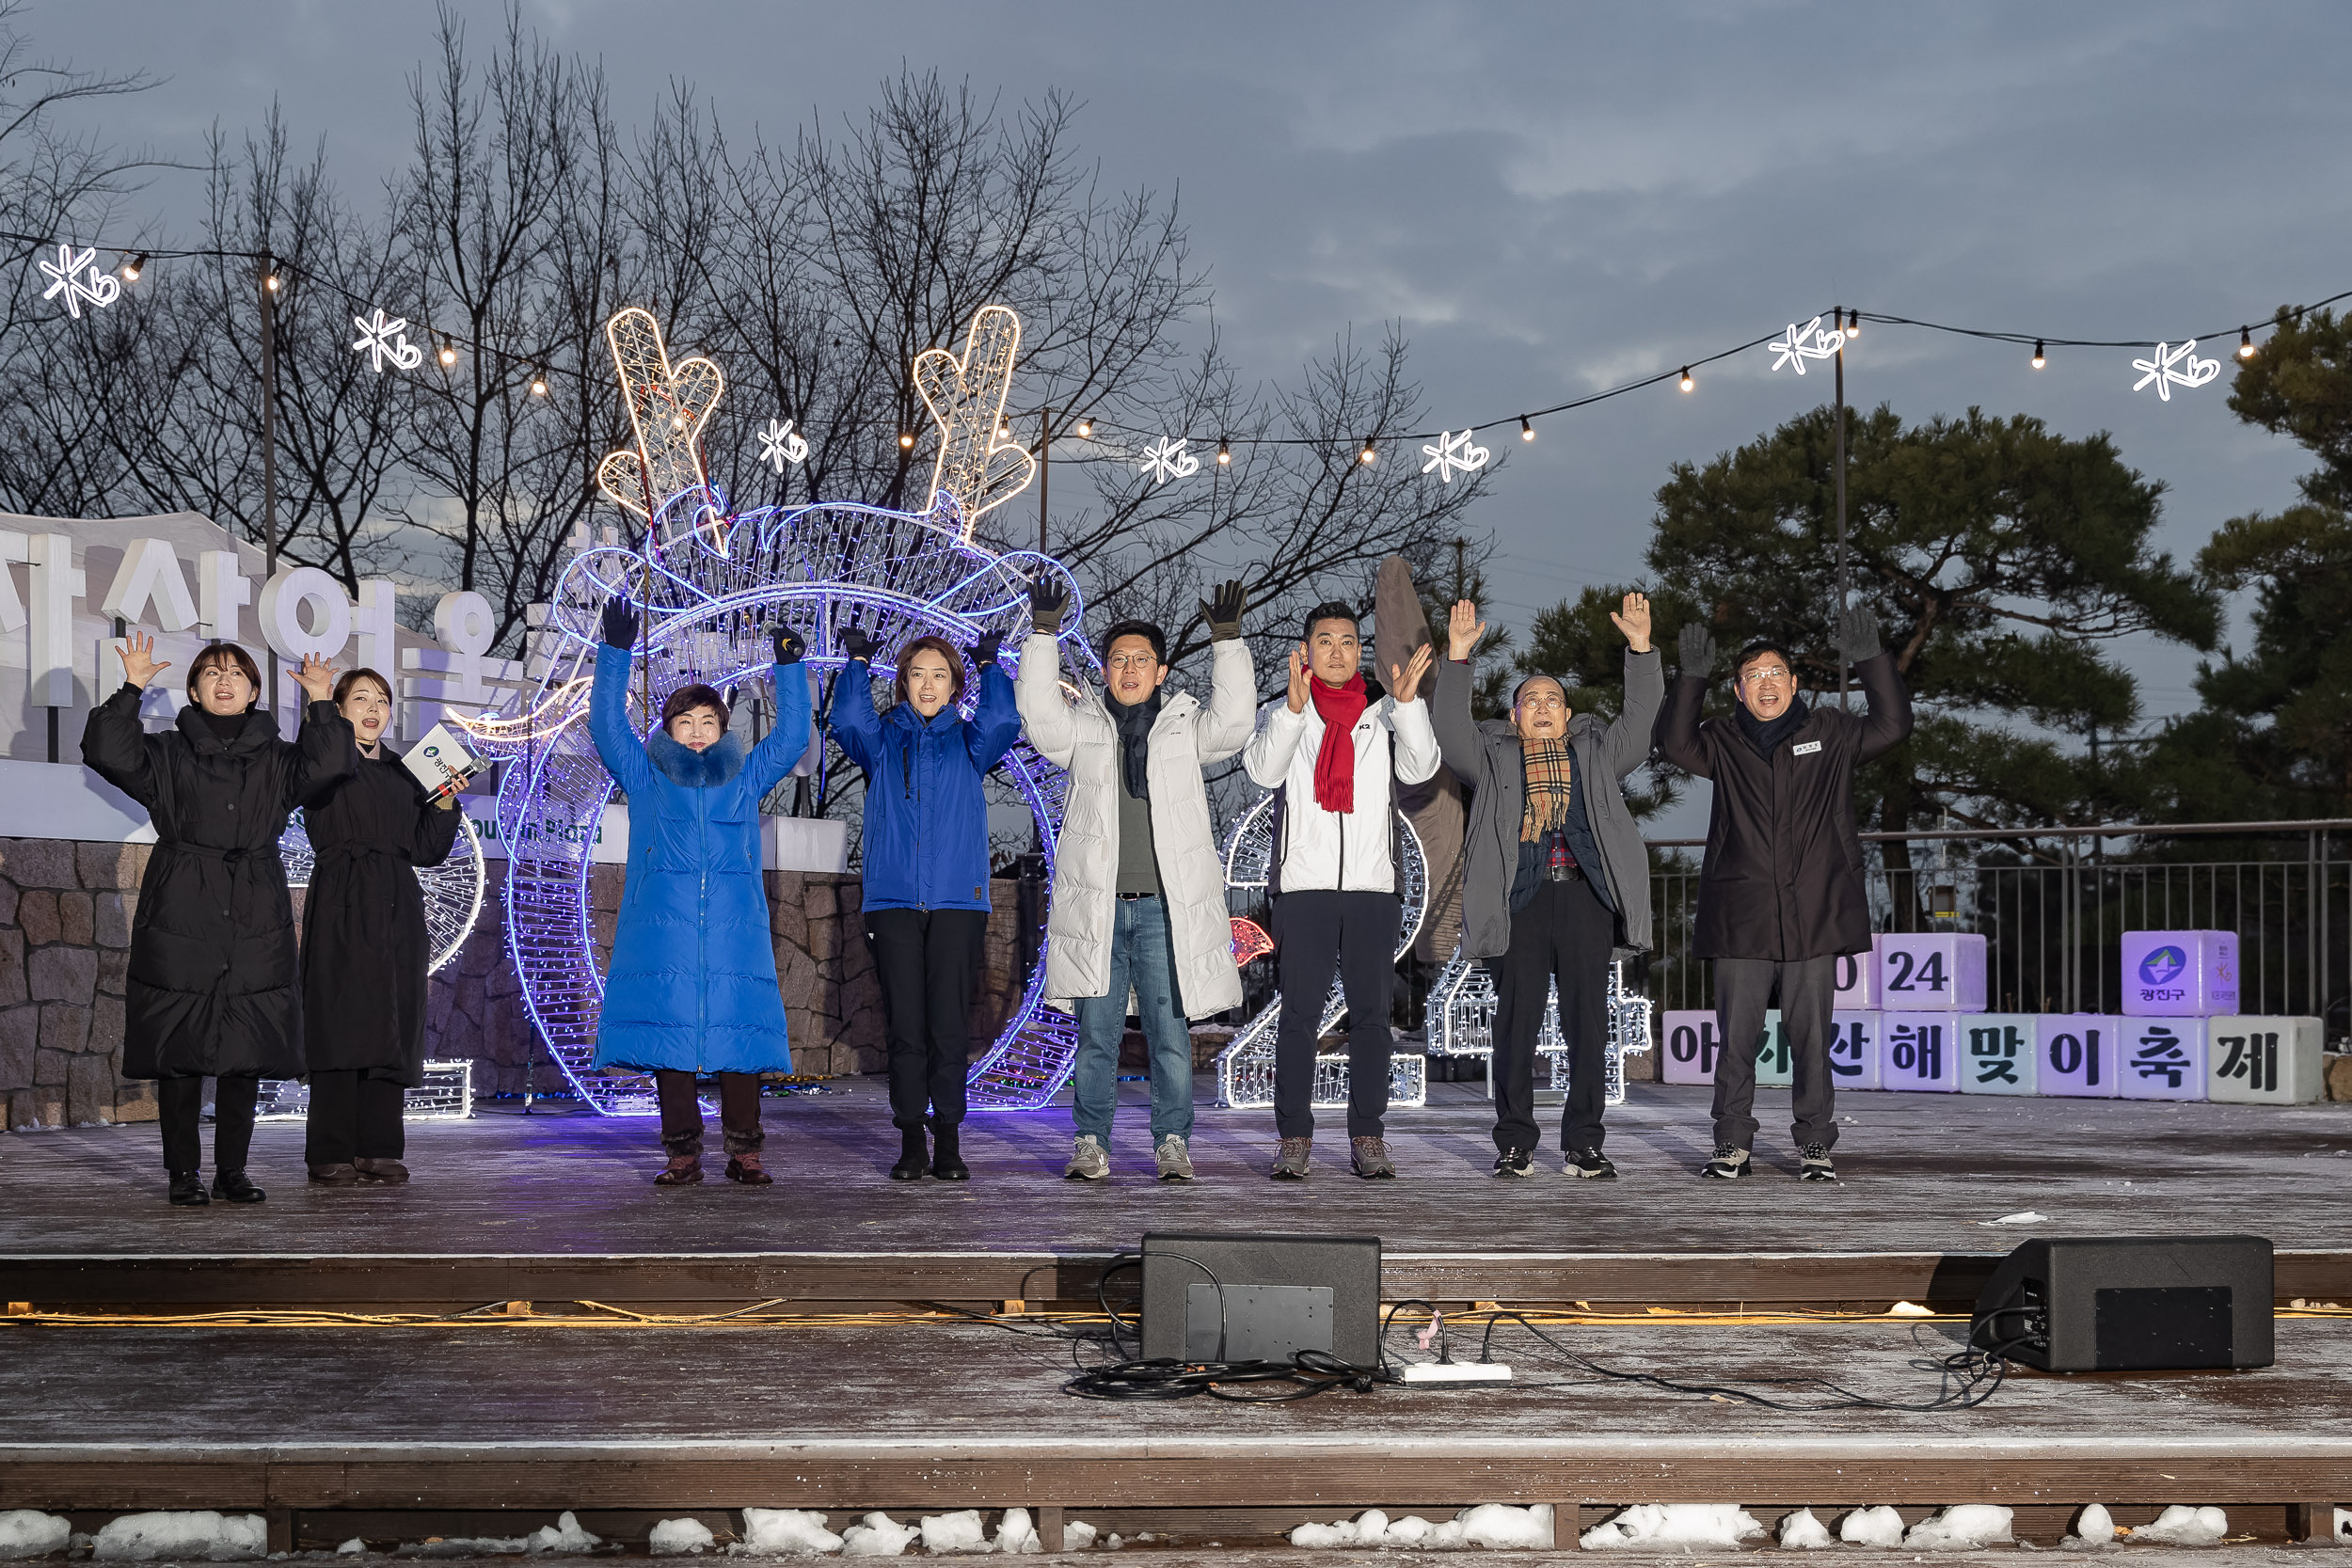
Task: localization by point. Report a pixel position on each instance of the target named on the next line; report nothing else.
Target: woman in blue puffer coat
(925, 870)
(693, 988)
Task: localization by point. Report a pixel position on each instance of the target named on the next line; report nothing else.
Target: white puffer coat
(1082, 737)
(1348, 851)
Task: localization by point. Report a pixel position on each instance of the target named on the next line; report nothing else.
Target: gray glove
(1222, 610)
(1857, 635)
(1049, 601)
(1696, 647)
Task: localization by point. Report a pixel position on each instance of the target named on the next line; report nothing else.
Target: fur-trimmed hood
(691, 769)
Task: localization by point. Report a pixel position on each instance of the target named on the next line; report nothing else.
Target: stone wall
(65, 930)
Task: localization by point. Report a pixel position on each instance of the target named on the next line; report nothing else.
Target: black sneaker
(1591, 1163)
(1729, 1164)
(1815, 1164)
(1515, 1162)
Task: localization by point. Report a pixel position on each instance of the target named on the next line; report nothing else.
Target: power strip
(1457, 1371)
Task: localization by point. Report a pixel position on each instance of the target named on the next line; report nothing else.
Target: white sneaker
(1175, 1159)
(1088, 1160)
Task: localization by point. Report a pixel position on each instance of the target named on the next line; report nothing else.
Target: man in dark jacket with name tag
(1780, 891)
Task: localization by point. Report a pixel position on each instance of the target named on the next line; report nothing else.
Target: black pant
(1807, 989)
(682, 1113)
(927, 961)
(1317, 930)
(353, 1116)
(180, 1108)
(1567, 931)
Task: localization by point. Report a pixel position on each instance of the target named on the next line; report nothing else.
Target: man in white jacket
(1335, 756)
(1138, 886)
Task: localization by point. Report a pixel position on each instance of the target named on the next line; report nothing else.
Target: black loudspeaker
(1260, 1298)
(2097, 1304)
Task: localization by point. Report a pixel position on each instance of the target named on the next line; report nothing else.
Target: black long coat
(365, 947)
(1783, 873)
(213, 986)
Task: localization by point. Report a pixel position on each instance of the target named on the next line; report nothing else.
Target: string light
(1527, 431)
(538, 384)
(449, 351)
(1369, 455)
(131, 268)
(2245, 342)
(1853, 324)
(1224, 454)
(906, 440)
(2040, 358)
(273, 282)
(1085, 429)
(1687, 383)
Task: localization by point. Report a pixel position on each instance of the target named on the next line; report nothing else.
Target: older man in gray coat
(1556, 878)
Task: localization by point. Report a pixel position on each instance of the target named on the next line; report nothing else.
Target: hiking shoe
(1815, 1165)
(1515, 1162)
(1088, 1161)
(1729, 1164)
(1175, 1159)
(1370, 1158)
(1290, 1161)
(1591, 1163)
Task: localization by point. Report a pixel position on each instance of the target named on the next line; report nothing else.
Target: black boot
(188, 1189)
(237, 1187)
(947, 1158)
(913, 1158)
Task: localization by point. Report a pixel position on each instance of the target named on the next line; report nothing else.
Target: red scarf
(1339, 706)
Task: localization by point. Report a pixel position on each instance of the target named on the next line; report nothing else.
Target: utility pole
(1844, 674)
(1044, 472)
(269, 285)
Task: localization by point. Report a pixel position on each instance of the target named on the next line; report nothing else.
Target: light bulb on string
(1527, 431)
(1687, 383)
(448, 353)
(2040, 358)
(131, 268)
(1370, 453)
(2245, 342)
(273, 282)
(906, 440)
(1224, 453)
(1086, 430)
(538, 384)
(1853, 324)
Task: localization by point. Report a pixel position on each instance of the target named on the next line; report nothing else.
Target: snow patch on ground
(681, 1537)
(1871, 1526)
(2181, 1526)
(1016, 1532)
(29, 1532)
(2343, 1523)
(2023, 1218)
(199, 1533)
(1801, 1529)
(790, 1531)
(877, 1535)
(1963, 1527)
(1077, 1535)
(565, 1535)
(353, 1547)
(1495, 1525)
(2093, 1527)
(1500, 1524)
(960, 1532)
(1675, 1524)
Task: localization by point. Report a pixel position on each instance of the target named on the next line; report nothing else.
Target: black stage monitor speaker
(2097, 1304)
(1261, 1297)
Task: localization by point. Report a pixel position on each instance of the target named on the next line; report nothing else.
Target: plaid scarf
(1547, 766)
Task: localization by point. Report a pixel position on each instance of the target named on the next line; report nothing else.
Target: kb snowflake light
(387, 342)
(780, 444)
(1453, 451)
(77, 276)
(1166, 460)
(2175, 367)
(1795, 347)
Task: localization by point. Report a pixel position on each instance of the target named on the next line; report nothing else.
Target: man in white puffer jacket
(1138, 886)
(1336, 755)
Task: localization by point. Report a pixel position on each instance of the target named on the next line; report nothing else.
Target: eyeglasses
(1133, 661)
(1769, 672)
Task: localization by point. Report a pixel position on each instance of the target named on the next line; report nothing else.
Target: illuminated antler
(978, 466)
(667, 405)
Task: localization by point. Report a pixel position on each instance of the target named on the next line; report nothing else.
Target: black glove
(1696, 647)
(1049, 601)
(984, 653)
(789, 647)
(856, 643)
(1222, 610)
(620, 622)
(1857, 635)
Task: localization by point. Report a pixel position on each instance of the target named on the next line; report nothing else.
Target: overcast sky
(1552, 198)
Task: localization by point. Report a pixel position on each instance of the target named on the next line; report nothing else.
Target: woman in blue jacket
(693, 988)
(925, 869)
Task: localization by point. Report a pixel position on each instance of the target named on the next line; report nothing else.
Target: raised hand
(1404, 684)
(790, 647)
(856, 644)
(1696, 647)
(667, 405)
(1049, 601)
(316, 677)
(1463, 629)
(620, 623)
(979, 468)
(1858, 634)
(139, 664)
(1222, 610)
(1634, 622)
(984, 651)
(1297, 694)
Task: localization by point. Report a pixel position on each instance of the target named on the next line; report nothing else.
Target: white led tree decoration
(1165, 460)
(780, 444)
(1454, 452)
(77, 274)
(2174, 365)
(1795, 347)
(667, 405)
(979, 463)
(386, 341)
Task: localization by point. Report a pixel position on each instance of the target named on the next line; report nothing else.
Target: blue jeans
(1142, 956)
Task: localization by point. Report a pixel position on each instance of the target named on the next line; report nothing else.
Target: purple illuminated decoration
(711, 582)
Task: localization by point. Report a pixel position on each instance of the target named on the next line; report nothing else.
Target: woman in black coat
(365, 948)
(212, 984)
